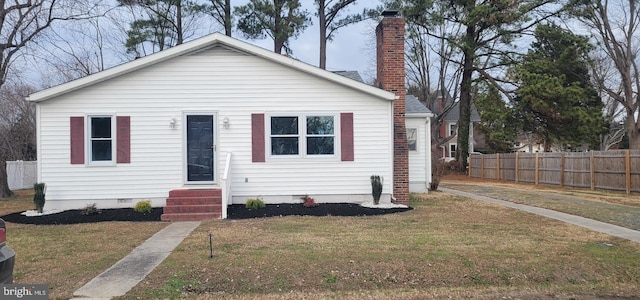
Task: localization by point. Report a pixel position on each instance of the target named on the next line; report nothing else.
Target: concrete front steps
(193, 205)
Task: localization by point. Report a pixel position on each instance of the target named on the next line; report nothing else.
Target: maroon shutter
(76, 132)
(257, 138)
(123, 139)
(346, 136)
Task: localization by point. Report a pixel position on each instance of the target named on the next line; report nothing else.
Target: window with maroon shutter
(107, 139)
(302, 135)
(346, 137)
(257, 138)
(77, 140)
(123, 136)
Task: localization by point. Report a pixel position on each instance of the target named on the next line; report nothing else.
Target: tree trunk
(179, 23)
(632, 131)
(465, 111)
(5, 192)
(322, 19)
(227, 17)
(278, 42)
(437, 164)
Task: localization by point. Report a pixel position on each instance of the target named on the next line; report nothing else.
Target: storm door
(200, 148)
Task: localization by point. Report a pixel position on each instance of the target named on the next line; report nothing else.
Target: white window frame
(302, 135)
(90, 139)
(334, 135)
(452, 129)
(416, 138)
(455, 145)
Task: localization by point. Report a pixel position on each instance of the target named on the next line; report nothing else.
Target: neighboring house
(527, 142)
(220, 120)
(448, 128)
(419, 138)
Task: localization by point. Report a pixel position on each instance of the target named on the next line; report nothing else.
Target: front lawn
(65, 257)
(448, 246)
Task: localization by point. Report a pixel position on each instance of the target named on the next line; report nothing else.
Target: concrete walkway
(129, 271)
(594, 225)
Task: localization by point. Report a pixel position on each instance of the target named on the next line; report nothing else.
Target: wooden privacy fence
(607, 170)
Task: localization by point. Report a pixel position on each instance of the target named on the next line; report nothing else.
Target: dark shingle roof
(414, 106)
(350, 74)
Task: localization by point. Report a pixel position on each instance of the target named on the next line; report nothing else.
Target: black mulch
(76, 217)
(238, 211)
(235, 211)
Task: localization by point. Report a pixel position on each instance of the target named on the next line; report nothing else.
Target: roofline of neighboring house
(419, 115)
(198, 45)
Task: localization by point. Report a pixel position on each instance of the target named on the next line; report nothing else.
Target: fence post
(627, 162)
(592, 171)
(498, 166)
(562, 169)
(517, 164)
(537, 167)
(482, 168)
(470, 164)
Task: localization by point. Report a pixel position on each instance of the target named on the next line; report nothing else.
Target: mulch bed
(76, 217)
(235, 211)
(238, 211)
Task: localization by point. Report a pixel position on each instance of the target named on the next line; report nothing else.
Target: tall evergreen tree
(162, 27)
(487, 29)
(497, 120)
(555, 99)
(278, 19)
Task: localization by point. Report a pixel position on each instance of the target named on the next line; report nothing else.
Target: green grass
(611, 207)
(447, 246)
(65, 257)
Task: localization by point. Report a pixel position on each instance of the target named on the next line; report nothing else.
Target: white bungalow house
(216, 121)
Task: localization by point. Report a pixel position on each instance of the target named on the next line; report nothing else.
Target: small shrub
(376, 188)
(39, 196)
(90, 210)
(254, 203)
(308, 201)
(143, 207)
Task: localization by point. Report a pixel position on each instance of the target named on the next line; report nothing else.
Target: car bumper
(7, 260)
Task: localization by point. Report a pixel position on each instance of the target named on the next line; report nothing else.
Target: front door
(200, 148)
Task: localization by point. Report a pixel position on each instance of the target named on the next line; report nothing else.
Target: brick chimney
(391, 77)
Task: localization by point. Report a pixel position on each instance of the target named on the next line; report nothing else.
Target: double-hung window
(412, 139)
(309, 135)
(285, 136)
(320, 135)
(101, 139)
(452, 150)
(452, 129)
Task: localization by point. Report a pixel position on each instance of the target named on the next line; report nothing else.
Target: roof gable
(198, 45)
(414, 106)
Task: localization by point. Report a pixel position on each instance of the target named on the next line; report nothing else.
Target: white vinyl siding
(420, 159)
(234, 86)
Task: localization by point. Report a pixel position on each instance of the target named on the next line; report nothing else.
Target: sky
(353, 47)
